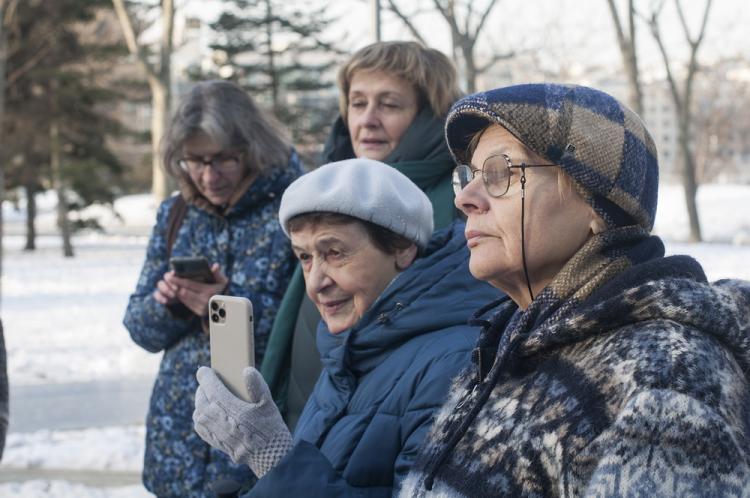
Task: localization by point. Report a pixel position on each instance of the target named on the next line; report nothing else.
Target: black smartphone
(192, 268)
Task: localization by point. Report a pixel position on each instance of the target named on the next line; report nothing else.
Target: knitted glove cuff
(261, 462)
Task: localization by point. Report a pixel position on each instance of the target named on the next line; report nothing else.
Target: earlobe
(405, 257)
(597, 225)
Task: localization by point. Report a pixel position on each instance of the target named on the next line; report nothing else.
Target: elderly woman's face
(556, 225)
(380, 108)
(217, 182)
(344, 272)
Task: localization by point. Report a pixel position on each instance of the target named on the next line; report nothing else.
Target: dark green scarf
(422, 155)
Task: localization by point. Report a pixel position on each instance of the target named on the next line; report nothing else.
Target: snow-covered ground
(63, 317)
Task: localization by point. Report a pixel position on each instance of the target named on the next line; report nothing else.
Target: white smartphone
(231, 335)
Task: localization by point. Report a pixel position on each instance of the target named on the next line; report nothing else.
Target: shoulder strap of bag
(174, 220)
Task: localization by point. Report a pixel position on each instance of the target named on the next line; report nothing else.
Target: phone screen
(192, 268)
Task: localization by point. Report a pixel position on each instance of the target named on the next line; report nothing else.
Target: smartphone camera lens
(214, 305)
(214, 317)
(222, 313)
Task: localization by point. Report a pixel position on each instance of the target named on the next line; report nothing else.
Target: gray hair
(228, 116)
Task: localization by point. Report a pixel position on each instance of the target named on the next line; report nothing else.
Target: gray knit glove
(252, 433)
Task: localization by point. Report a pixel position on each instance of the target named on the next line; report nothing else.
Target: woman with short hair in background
(393, 100)
(232, 162)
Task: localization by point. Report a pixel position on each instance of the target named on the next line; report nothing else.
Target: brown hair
(430, 72)
(226, 113)
(386, 240)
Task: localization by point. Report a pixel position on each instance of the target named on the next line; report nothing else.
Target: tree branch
(485, 15)
(656, 33)
(618, 25)
(404, 19)
(167, 29)
(131, 39)
(448, 16)
(686, 29)
(31, 61)
(9, 11)
(495, 59)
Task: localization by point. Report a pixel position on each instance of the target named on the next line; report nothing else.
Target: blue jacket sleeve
(151, 324)
(305, 471)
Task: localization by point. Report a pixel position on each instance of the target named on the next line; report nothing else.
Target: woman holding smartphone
(232, 162)
(394, 300)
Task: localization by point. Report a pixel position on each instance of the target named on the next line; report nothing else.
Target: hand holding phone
(232, 341)
(192, 268)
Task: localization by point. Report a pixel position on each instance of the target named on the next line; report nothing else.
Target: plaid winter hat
(599, 142)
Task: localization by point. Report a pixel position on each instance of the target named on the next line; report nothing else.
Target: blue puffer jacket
(253, 252)
(384, 379)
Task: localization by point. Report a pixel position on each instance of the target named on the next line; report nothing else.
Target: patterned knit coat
(247, 242)
(627, 376)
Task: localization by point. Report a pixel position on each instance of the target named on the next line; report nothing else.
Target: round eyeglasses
(221, 163)
(496, 173)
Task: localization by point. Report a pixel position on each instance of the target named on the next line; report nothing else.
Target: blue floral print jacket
(247, 242)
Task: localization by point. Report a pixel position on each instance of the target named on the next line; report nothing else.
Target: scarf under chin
(602, 258)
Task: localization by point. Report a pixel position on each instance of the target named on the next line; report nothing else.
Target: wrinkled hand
(252, 433)
(194, 295)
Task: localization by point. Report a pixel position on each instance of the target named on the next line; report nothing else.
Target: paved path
(93, 478)
(78, 405)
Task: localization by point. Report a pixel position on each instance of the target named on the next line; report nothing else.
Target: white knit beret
(364, 189)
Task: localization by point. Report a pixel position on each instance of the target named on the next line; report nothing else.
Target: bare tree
(466, 21)
(683, 100)
(7, 9)
(626, 42)
(721, 124)
(158, 74)
(3, 51)
(59, 185)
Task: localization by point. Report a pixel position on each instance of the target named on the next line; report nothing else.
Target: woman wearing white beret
(395, 299)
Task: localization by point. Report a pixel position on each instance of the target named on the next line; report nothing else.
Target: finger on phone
(168, 290)
(159, 297)
(218, 274)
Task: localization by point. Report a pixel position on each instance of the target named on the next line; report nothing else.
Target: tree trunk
(30, 216)
(271, 60)
(689, 183)
(691, 192)
(629, 54)
(160, 83)
(159, 115)
(469, 66)
(62, 202)
(3, 51)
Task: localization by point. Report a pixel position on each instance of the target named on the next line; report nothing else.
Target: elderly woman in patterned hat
(613, 370)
